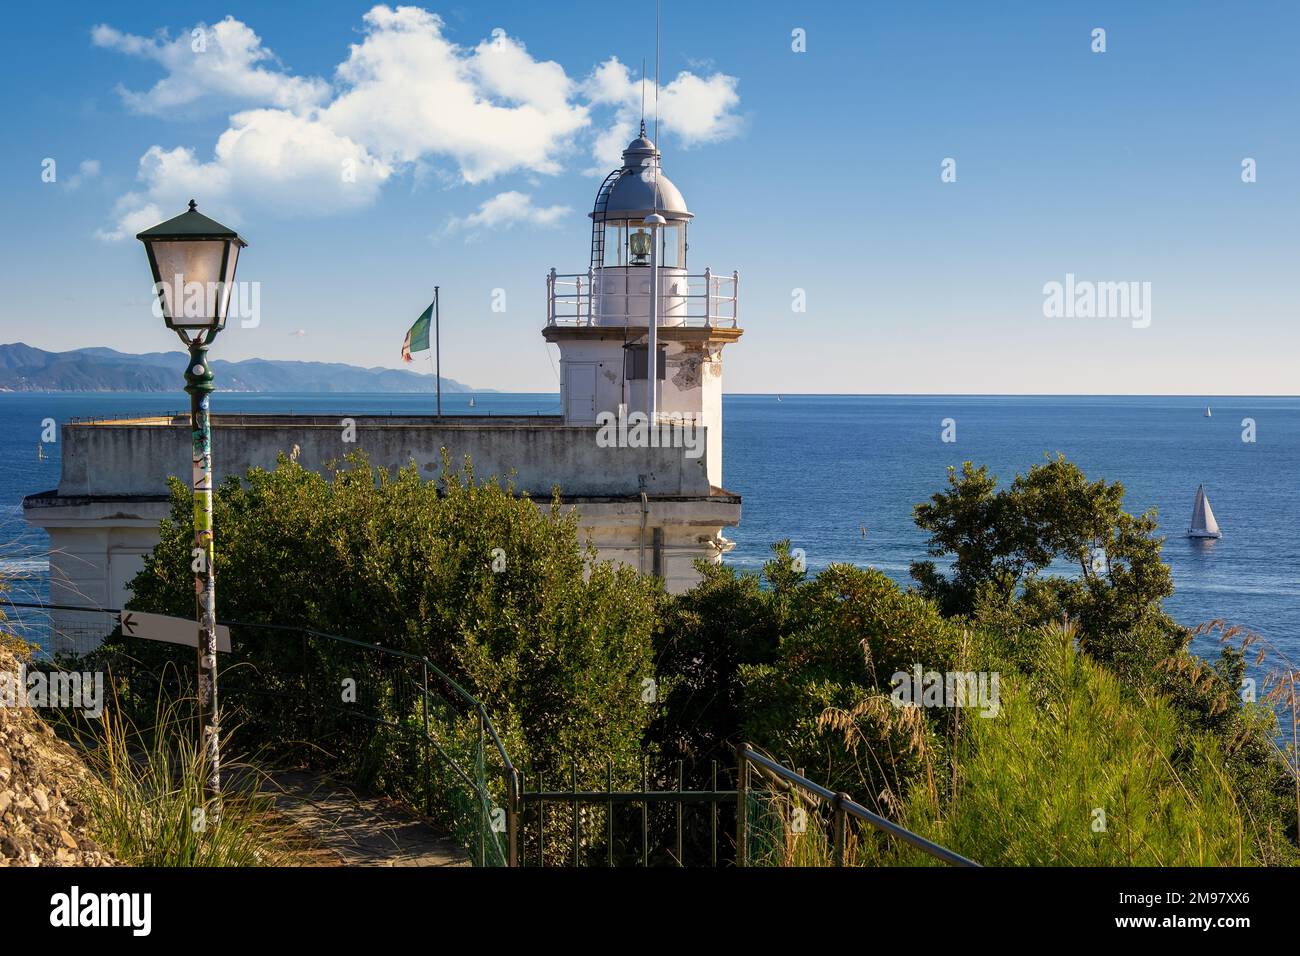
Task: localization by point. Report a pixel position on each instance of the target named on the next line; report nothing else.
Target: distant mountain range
(27, 369)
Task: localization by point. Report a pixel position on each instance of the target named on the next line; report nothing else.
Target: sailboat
(1203, 523)
(472, 403)
(1207, 412)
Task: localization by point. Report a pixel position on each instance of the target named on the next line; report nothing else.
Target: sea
(839, 475)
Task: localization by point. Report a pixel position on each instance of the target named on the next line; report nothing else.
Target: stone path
(361, 830)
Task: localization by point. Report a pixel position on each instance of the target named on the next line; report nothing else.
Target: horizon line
(504, 392)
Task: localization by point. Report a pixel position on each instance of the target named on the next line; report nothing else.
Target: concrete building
(649, 492)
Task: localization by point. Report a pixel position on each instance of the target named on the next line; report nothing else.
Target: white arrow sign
(172, 630)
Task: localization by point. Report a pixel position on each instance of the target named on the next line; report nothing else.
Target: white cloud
(491, 110)
(506, 209)
(268, 159)
(406, 99)
(88, 169)
(694, 109)
(132, 213)
(699, 109)
(226, 61)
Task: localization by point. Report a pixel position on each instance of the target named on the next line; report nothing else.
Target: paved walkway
(361, 830)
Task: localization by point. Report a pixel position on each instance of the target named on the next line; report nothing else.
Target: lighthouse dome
(641, 188)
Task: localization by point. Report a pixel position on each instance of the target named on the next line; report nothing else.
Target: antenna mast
(656, 76)
(655, 222)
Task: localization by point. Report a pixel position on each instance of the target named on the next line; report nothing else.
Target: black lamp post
(193, 261)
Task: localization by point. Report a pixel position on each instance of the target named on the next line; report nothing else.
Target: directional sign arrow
(170, 630)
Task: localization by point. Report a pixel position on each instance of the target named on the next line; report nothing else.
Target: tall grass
(1280, 692)
(1073, 771)
(1076, 772)
(147, 805)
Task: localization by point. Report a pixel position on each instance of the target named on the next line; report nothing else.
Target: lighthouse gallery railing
(701, 300)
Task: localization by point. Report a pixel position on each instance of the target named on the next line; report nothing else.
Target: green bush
(555, 644)
(802, 668)
(823, 702)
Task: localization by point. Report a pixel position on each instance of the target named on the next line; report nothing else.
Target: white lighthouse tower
(639, 334)
(601, 320)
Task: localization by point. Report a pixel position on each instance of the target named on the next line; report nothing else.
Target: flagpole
(437, 347)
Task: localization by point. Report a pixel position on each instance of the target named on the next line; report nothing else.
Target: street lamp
(193, 261)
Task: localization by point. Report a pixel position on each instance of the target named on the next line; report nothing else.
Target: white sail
(1203, 523)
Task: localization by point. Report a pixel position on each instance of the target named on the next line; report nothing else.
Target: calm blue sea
(819, 469)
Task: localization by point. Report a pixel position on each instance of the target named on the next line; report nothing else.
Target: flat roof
(252, 420)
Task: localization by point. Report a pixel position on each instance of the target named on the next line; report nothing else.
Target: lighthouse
(639, 332)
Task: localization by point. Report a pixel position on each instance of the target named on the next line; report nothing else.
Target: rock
(43, 820)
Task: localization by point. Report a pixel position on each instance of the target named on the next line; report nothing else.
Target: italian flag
(417, 336)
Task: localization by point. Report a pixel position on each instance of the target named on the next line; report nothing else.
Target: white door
(580, 393)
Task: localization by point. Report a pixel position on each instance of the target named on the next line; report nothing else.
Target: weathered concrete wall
(135, 458)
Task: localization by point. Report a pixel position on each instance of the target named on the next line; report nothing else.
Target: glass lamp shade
(193, 261)
(639, 245)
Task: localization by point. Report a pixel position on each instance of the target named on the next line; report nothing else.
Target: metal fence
(741, 824)
(792, 791)
(669, 824)
(56, 638)
(695, 300)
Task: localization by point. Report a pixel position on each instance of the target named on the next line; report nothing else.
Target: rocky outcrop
(43, 822)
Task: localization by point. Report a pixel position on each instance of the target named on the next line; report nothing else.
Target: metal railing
(66, 637)
(630, 839)
(842, 808)
(622, 297)
(585, 831)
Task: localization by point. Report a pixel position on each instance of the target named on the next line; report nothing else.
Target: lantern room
(620, 238)
(615, 289)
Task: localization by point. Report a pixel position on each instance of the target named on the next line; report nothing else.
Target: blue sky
(817, 171)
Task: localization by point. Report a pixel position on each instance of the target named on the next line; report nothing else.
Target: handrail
(842, 803)
(582, 299)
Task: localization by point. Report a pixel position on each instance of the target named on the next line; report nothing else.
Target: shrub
(555, 644)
